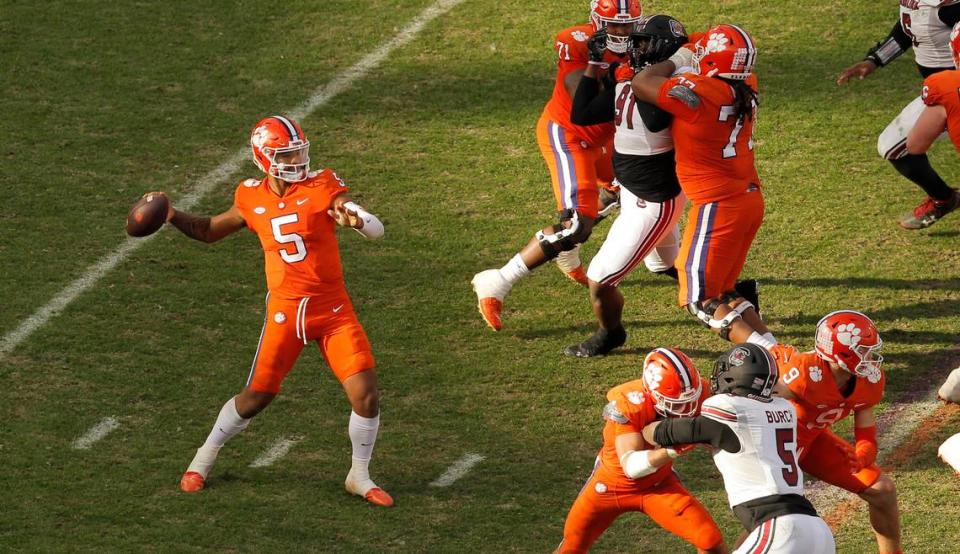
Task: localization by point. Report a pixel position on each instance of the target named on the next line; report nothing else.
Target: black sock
(671, 273)
(917, 168)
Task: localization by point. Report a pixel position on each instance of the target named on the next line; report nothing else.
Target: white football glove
(949, 452)
(950, 390)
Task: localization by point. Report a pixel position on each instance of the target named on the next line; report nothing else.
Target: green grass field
(104, 101)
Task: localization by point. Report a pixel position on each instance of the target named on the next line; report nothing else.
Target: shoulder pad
(250, 183)
(611, 413)
(685, 95)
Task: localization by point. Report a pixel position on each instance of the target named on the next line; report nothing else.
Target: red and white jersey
(920, 20)
(767, 461)
(632, 136)
(300, 251)
(573, 55)
(819, 402)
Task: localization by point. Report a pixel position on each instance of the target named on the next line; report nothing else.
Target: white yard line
(278, 450)
(321, 96)
(457, 470)
(97, 432)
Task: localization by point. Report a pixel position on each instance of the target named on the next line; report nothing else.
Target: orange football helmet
(280, 148)
(725, 51)
(603, 12)
(673, 381)
(850, 340)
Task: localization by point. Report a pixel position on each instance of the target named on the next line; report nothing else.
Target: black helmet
(745, 370)
(657, 37)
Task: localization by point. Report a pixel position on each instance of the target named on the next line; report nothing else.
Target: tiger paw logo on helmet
(259, 136)
(848, 334)
(653, 375)
(716, 43)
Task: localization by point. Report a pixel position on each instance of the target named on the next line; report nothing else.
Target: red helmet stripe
(679, 367)
(291, 128)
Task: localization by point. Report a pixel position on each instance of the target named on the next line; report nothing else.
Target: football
(147, 215)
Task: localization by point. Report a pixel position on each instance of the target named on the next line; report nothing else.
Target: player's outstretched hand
(597, 45)
(345, 217)
(858, 70)
(148, 214)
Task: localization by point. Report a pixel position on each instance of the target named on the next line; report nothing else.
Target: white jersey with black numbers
(931, 37)
(632, 136)
(766, 464)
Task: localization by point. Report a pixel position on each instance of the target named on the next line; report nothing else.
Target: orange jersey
(299, 240)
(571, 45)
(629, 410)
(714, 150)
(818, 401)
(943, 89)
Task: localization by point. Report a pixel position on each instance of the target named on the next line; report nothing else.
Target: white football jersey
(767, 463)
(632, 136)
(930, 36)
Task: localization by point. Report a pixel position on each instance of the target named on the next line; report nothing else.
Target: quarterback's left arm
(929, 126)
(865, 434)
(348, 213)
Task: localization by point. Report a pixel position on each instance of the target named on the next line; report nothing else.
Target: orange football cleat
(192, 482)
(578, 275)
(378, 497)
(490, 310)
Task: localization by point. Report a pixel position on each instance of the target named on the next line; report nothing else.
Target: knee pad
(562, 238)
(892, 142)
(706, 310)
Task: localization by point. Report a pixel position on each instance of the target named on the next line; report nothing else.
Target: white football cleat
(491, 289)
(950, 390)
(949, 452)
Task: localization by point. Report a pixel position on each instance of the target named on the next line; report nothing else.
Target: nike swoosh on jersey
(302, 201)
(338, 308)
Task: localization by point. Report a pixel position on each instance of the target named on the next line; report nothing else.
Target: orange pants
(715, 243)
(576, 168)
(290, 324)
(667, 503)
(826, 459)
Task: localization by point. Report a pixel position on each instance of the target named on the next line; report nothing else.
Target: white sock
(762, 340)
(514, 270)
(228, 424)
(363, 435)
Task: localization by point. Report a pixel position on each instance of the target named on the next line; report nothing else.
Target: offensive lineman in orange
(294, 213)
(630, 475)
(714, 109)
(841, 376)
(942, 105)
(579, 158)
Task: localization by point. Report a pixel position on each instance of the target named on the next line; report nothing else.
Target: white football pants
(645, 231)
(790, 534)
(892, 143)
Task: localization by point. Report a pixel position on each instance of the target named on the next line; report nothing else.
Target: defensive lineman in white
(650, 198)
(924, 25)
(753, 435)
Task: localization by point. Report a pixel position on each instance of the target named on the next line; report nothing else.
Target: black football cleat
(750, 290)
(599, 343)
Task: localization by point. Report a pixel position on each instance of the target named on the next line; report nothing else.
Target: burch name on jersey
(943, 89)
(766, 464)
(573, 55)
(632, 136)
(920, 20)
(714, 149)
(819, 402)
(301, 256)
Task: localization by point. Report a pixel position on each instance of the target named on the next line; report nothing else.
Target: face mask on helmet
(673, 383)
(619, 18)
(291, 163)
(725, 51)
(850, 340)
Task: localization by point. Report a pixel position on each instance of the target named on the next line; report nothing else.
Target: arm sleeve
(950, 15)
(590, 104)
(698, 429)
(653, 117)
(891, 47)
